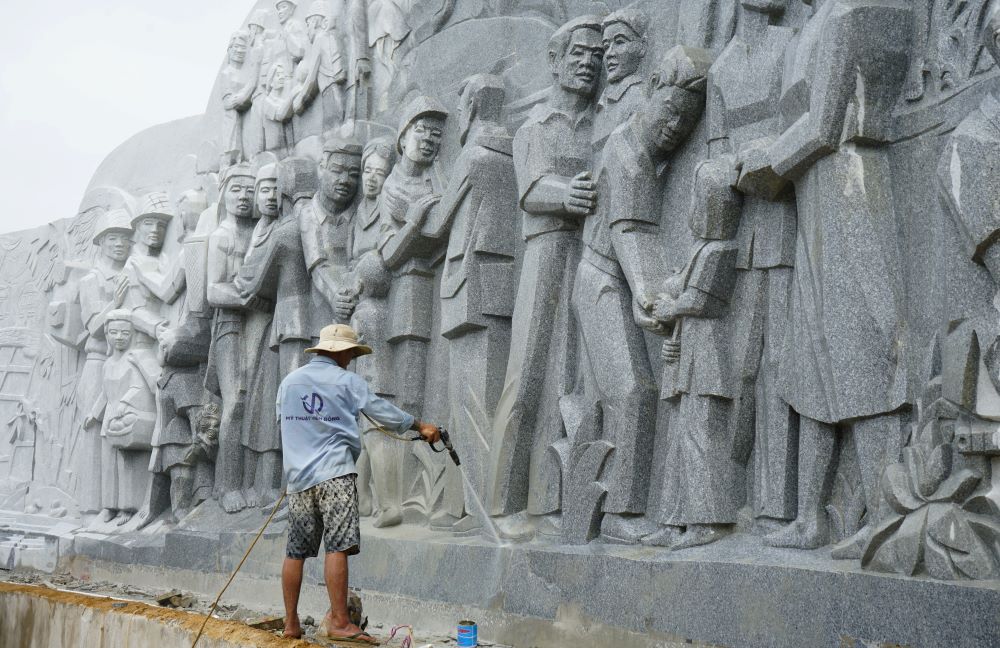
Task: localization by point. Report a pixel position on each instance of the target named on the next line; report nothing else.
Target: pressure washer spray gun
(446, 441)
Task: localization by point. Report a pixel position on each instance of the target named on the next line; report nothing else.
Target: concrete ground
(197, 605)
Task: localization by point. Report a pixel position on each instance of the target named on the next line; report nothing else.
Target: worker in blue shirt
(318, 406)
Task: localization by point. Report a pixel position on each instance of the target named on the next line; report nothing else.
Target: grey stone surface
(672, 273)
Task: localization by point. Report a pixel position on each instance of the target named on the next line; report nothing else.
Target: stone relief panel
(644, 260)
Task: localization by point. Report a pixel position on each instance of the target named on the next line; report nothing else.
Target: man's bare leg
(291, 586)
(337, 622)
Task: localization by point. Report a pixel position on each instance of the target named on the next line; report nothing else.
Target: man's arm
(389, 416)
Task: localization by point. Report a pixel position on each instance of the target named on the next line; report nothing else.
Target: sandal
(356, 639)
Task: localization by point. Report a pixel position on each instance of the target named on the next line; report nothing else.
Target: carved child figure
(702, 489)
(126, 409)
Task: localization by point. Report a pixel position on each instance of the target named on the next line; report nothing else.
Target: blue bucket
(468, 634)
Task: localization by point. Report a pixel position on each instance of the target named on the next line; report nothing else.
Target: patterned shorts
(327, 512)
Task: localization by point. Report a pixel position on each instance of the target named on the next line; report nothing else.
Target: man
(408, 194)
(321, 73)
(552, 158)
(318, 407)
(273, 268)
(293, 37)
(848, 256)
(226, 248)
(622, 260)
(324, 222)
(149, 292)
(744, 90)
(625, 46)
(478, 217)
(102, 290)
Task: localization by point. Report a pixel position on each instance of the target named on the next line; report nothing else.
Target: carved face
(116, 246)
(119, 334)
(580, 66)
(150, 231)
(278, 78)
(239, 197)
(338, 178)
(314, 25)
(374, 174)
(671, 114)
(237, 51)
(422, 140)
(623, 51)
(267, 198)
(285, 11)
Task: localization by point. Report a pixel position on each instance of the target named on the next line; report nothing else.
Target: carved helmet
(630, 16)
(258, 18)
(319, 8)
(334, 142)
(422, 106)
(116, 220)
(155, 205)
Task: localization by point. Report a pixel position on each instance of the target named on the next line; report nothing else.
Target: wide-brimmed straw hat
(339, 337)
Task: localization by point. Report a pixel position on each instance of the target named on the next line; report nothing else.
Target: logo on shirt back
(312, 403)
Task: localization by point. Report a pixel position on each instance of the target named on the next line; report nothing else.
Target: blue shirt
(318, 407)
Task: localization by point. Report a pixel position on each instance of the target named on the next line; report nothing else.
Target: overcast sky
(79, 77)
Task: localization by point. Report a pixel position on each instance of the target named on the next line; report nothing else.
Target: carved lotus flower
(934, 519)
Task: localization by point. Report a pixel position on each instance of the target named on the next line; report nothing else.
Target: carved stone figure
(408, 195)
(379, 27)
(367, 285)
(556, 189)
(617, 276)
(227, 358)
(102, 290)
(324, 223)
(625, 46)
(183, 350)
(238, 85)
(703, 476)
(150, 290)
(293, 38)
(478, 215)
(126, 409)
(744, 90)
(842, 360)
(277, 109)
(322, 73)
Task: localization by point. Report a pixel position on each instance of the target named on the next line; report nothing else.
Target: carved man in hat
(409, 192)
(478, 217)
(149, 294)
(552, 152)
(102, 290)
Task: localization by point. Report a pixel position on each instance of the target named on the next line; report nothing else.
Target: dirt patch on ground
(232, 631)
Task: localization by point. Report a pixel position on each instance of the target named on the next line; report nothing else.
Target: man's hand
(581, 195)
(428, 432)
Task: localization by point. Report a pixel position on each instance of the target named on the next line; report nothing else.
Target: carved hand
(663, 308)
(641, 311)
(259, 303)
(418, 211)
(581, 195)
(344, 305)
(671, 351)
(757, 178)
